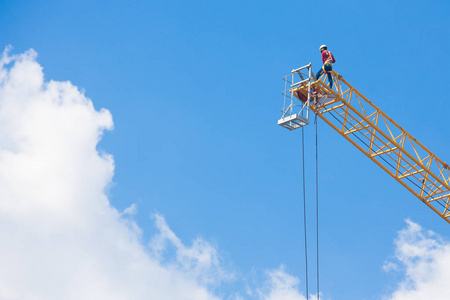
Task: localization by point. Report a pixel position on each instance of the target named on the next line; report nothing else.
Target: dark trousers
(327, 68)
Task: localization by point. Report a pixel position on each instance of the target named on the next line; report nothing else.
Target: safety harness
(329, 61)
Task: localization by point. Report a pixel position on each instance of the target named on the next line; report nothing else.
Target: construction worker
(328, 61)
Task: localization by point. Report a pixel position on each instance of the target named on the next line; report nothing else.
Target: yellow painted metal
(382, 140)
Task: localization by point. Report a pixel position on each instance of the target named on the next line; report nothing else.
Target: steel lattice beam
(382, 140)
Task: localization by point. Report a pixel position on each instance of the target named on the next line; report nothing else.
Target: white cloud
(282, 286)
(201, 260)
(60, 237)
(424, 257)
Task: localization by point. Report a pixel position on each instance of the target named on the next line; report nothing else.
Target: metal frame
(295, 112)
(382, 140)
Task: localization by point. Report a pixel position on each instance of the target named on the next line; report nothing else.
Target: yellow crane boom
(371, 131)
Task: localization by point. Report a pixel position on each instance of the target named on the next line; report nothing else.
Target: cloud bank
(61, 238)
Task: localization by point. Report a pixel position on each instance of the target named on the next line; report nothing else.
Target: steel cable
(317, 207)
(304, 211)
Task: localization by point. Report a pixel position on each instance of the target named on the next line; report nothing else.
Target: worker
(328, 61)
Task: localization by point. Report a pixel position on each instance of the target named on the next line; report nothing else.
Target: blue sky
(194, 89)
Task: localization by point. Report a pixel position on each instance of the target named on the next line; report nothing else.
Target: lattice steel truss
(381, 139)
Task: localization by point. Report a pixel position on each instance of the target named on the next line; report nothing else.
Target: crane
(370, 130)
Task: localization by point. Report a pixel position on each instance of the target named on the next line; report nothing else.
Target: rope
(304, 211)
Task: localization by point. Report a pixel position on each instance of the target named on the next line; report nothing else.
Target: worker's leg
(319, 74)
(330, 80)
(328, 69)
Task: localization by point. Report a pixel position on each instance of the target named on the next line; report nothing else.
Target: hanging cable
(317, 207)
(304, 211)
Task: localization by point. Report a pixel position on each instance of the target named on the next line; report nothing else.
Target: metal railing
(295, 112)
